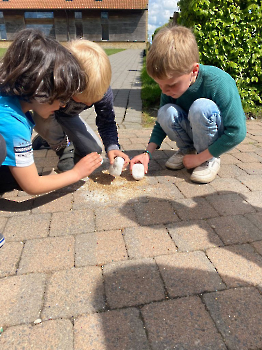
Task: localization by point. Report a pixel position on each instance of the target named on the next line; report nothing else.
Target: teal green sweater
(214, 84)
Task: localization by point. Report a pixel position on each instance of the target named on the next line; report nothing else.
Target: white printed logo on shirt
(24, 155)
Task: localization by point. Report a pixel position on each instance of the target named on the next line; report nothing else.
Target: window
(78, 15)
(2, 32)
(35, 14)
(104, 15)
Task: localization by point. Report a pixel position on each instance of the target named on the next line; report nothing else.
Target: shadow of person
(225, 219)
(193, 278)
(18, 204)
(176, 301)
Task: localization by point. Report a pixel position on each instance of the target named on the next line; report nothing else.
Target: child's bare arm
(193, 160)
(29, 180)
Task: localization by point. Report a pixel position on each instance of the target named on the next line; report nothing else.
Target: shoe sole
(205, 179)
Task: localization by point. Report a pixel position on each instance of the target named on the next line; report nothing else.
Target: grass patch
(2, 51)
(150, 95)
(112, 51)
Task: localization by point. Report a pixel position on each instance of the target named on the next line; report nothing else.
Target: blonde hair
(173, 52)
(95, 62)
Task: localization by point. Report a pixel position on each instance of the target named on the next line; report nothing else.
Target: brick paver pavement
(119, 264)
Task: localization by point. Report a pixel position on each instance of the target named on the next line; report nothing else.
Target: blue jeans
(54, 131)
(197, 129)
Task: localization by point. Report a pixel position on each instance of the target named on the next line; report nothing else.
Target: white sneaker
(176, 161)
(207, 171)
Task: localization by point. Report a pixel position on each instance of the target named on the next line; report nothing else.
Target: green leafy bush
(229, 36)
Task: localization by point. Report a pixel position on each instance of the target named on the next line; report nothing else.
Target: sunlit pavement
(118, 264)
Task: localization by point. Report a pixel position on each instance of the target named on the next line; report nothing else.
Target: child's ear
(195, 69)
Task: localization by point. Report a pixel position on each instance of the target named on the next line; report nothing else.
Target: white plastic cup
(138, 171)
(116, 168)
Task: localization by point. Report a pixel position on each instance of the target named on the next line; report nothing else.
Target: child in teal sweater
(200, 106)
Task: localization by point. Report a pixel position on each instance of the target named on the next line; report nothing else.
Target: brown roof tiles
(72, 4)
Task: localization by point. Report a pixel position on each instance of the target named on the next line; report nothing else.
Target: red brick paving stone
(99, 248)
(229, 184)
(132, 282)
(229, 203)
(45, 336)
(155, 212)
(237, 265)
(235, 229)
(3, 222)
(254, 198)
(254, 182)
(249, 148)
(112, 218)
(188, 273)
(193, 235)
(47, 254)
(190, 189)
(53, 202)
(181, 324)
(117, 329)
(73, 222)
(258, 246)
(230, 171)
(74, 292)
(237, 314)
(256, 219)
(248, 157)
(195, 208)
(19, 228)
(167, 191)
(9, 257)
(227, 158)
(145, 242)
(251, 168)
(21, 298)
(49, 162)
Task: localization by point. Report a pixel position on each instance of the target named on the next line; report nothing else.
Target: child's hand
(141, 158)
(117, 153)
(191, 161)
(88, 164)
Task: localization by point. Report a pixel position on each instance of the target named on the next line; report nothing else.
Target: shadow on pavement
(8, 205)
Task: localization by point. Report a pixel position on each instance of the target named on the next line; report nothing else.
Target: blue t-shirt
(16, 128)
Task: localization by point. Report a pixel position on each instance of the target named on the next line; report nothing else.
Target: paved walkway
(118, 264)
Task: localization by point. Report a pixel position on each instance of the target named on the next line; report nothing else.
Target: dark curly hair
(38, 67)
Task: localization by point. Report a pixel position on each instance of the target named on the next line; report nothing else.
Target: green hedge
(229, 36)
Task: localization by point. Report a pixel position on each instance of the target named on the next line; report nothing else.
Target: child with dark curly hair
(37, 73)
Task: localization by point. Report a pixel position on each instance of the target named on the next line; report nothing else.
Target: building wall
(115, 26)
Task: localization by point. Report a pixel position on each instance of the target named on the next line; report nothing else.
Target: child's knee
(202, 108)
(165, 113)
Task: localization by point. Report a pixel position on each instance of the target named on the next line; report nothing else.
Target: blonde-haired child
(200, 107)
(67, 124)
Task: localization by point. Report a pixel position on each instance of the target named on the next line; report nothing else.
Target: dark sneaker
(39, 143)
(2, 240)
(66, 158)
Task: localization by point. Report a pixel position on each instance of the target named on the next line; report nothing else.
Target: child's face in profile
(45, 109)
(176, 85)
